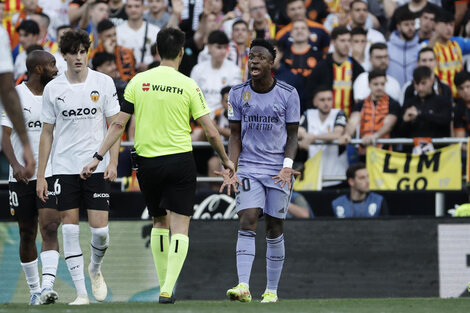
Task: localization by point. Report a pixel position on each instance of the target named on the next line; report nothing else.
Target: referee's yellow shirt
(163, 101)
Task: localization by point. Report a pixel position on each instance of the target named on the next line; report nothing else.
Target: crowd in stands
(368, 69)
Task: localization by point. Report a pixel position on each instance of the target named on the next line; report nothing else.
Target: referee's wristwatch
(99, 157)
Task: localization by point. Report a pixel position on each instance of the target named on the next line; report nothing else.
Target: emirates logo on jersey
(145, 86)
(95, 96)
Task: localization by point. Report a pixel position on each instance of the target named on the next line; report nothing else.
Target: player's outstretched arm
(45, 145)
(234, 149)
(114, 133)
(286, 173)
(12, 105)
(18, 169)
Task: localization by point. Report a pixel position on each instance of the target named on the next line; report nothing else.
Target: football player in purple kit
(264, 115)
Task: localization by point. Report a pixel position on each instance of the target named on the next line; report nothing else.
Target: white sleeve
(111, 103)
(359, 89)
(48, 114)
(6, 61)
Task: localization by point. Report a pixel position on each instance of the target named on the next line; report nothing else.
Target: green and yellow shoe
(269, 297)
(240, 293)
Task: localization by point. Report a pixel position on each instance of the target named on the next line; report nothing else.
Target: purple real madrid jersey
(263, 118)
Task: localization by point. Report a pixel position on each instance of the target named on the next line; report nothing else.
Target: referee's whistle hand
(41, 189)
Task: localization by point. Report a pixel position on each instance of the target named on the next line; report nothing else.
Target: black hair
(357, 1)
(217, 37)
(33, 48)
(73, 39)
(258, 42)
(405, 16)
(338, 31)
(377, 46)
(240, 21)
(63, 27)
(169, 42)
(444, 16)
(351, 171)
(426, 49)
(104, 25)
(44, 16)
(358, 31)
(225, 90)
(376, 73)
(321, 88)
(154, 49)
(100, 58)
(429, 11)
(420, 73)
(29, 26)
(461, 77)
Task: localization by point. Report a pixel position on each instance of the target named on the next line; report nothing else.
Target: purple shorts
(259, 191)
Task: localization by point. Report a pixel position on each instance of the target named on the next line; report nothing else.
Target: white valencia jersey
(6, 62)
(212, 80)
(333, 163)
(31, 106)
(79, 113)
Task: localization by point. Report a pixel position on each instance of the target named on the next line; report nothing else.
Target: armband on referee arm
(288, 162)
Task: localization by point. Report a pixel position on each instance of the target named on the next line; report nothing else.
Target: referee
(163, 101)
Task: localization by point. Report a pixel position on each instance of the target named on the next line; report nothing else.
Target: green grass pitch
(393, 305)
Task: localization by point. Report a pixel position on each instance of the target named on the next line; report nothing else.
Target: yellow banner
(311, 177)
(437, 170)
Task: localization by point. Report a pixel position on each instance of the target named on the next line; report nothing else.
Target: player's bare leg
(49, 221)
(29, 257)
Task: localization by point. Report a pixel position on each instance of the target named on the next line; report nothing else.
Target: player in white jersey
(9, 97)
(25, 206)
(76, 107)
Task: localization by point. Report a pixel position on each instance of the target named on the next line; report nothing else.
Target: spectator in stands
(360, 202)
(260, 24)
(57, 11)
(117, 12)
(240, 12)
(92, 16)
(59, 58)
(343, 17)
(157, 13)
(156, 56)
(190, 16)
(238, 47)
(301, 58)
(137, 34)
(414, 8)
(426, 114)
(378, 61)
(358, 47)
(107, 42)
(207, 24)
(45, 39)
(376, 115)
(337, 70)
(28, 32)
(448, 49)
(426, 57)
(359, 18)
(29, 7)
(319, 37)
(403, 48)
(24, 76)
(105, 63)
(462, 105)
(299, 207)
(427, 22)
(217, 72)
(282, 72)
(77, 8)
(327, 124)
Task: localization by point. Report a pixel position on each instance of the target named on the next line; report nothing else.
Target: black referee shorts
(24, 203)
(168, 183)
